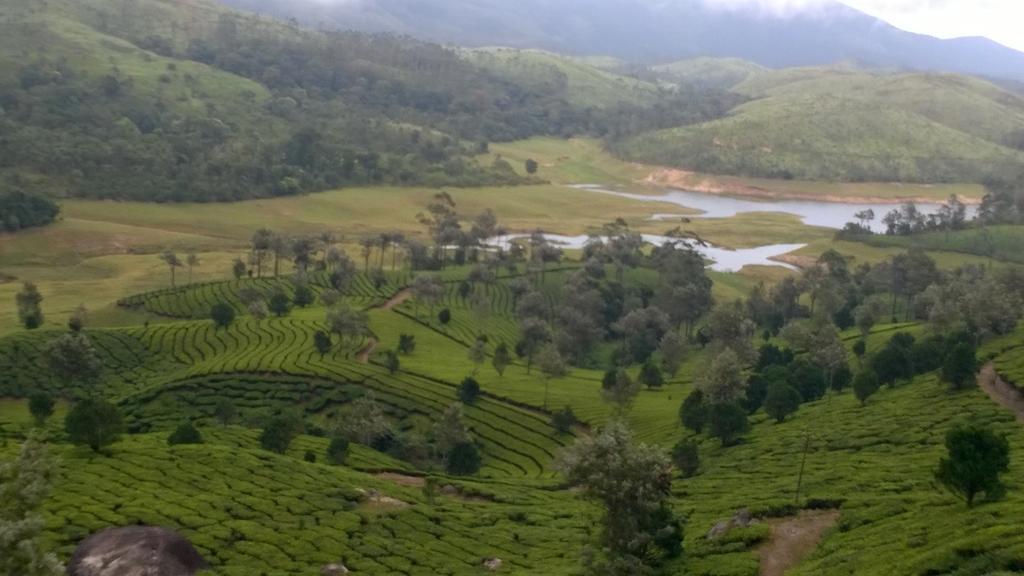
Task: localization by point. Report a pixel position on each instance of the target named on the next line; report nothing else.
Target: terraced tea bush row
(195, 300)
(251, 512)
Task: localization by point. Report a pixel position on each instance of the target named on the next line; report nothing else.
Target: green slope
(581, 82)
(723, 73)
(848, 125)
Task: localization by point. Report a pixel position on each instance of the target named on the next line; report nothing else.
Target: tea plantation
(252, 511)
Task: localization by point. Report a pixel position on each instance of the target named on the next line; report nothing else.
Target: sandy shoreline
(692, 182)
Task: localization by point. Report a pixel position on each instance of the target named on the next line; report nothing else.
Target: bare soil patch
(1001, 391)
(363, 356)
(397, 299)
(793, 538)
(402, 479)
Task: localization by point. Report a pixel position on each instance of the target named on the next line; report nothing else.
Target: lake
(824, 214)
(722, 259)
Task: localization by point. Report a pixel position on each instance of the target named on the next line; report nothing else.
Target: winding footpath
(363, 356)
(1000, 391)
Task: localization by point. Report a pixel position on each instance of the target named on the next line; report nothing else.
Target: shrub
(976, 458)
(563, 420)
(406, 344)
(224, 411)
(865, 384)
(727, 421)
(40, 406)
(693, 412)
(960, 366)
(781, 401)
(304, 296)
(469, 390)
(309, 456)
(337, 451)
(686, 457)
(222, 315)
(94, 423)
(280, 305)
(444, 316)
(185, 433)
(463, 459)
(650, 375)
(279, 433)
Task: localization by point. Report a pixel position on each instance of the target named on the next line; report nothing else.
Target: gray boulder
(135, 551)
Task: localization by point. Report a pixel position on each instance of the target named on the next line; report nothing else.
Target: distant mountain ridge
(660, 31)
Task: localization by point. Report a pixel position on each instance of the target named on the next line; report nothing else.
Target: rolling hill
(172, 101)
(845, 124)
(651, 31)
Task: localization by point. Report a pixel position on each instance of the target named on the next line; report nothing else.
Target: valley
(331, 301)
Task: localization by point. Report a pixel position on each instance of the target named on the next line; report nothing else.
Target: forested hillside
(170, 101)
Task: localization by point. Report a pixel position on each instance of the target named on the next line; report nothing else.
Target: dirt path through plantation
(793, 538)
(397, 299)
(363, 356)
(1002, 392)
(402, 479)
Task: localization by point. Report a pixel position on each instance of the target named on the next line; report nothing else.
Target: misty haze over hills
(659, 31)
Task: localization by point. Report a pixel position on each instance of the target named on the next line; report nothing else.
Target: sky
(999, 20)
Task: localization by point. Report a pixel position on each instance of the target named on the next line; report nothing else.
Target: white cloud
(999, 20)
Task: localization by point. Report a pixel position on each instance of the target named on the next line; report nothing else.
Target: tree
(224, 411)
(406, 344)
(185, 433)
(29, 302)
(463, 459)
(477, 354)
(262, 241)
(693, 412)
(642, 331)
(73, 359)
(40, 406)
(650, 375)
(173, 262)
(960, 366)
(469, 390)
(337, 451)
(618, 388)
(192, 260)
(304, 295)
(258, 309)
(222, 314)
(531, 166)
(348, 323)
(551, 366)
(280, 305)
(633, 483)
(534, 333)
(93, 423)
(781, 401)
(808, 378)
(76, 323)
(392, 362)
(502, 359)
(365, 422)
(865, 384)
(673, 352)
(563, 420)
(451, 430)
(976, 458)
(444, 316)
(24, 485)
(279, 433)
(724, 381)
(322, 342)
(238, 269)
(428, 289)
(727, 421)
(686, 457)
